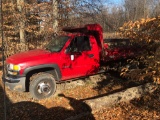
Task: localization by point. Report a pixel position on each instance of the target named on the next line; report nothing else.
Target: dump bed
(115, 49)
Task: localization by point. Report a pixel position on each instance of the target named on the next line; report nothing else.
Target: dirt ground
(68, 102)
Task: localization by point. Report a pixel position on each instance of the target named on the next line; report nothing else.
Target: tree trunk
(55, 16)
(20, 5)
(124, 96)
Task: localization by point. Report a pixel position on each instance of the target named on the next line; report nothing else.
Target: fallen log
(123, 96)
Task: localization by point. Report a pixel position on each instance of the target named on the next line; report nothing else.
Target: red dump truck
(79, 53)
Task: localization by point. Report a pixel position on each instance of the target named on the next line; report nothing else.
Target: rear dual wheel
(42, 86)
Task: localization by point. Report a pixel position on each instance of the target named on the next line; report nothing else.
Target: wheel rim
(44, 88)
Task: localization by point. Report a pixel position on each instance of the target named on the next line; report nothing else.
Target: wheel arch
(53, 69)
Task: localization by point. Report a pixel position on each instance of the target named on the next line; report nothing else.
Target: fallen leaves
(69, 102)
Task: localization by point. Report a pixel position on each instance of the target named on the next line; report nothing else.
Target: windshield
(57, 43)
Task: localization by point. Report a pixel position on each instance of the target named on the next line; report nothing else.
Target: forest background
(29, 24)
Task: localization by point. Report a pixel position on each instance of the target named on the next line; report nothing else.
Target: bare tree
(137, 9)
(20, 6)
(55, 15)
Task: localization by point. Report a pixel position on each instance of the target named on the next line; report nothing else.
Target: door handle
(91, 55)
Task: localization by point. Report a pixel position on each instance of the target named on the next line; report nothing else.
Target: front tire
(42, 86)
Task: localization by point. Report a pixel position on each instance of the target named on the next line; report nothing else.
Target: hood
(27, 56)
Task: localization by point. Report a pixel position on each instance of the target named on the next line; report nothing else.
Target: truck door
(82, 56)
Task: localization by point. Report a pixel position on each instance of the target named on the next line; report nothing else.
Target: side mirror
(72, 57)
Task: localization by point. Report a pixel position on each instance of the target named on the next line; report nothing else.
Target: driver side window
(80, 44)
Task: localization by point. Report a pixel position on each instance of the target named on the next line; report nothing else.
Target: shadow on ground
(150, 102)
(33, 111)
(28, 110)
(114, 82)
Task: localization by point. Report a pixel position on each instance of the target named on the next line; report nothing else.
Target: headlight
(14, 67)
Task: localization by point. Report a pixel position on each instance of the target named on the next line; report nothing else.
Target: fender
(54, 66)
